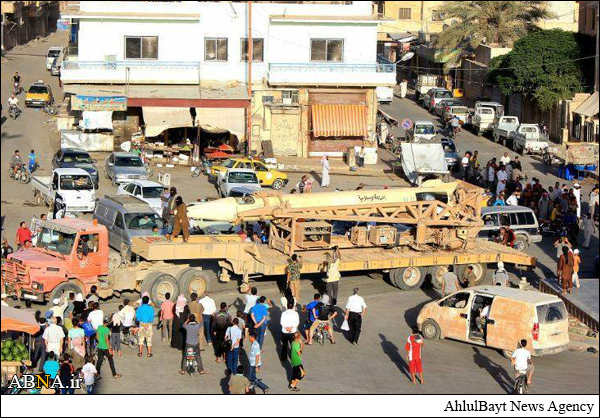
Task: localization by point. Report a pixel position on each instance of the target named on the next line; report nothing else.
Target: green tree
(498, 23)
(545, 65)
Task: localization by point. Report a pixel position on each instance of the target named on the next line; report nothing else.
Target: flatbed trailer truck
(73, 255)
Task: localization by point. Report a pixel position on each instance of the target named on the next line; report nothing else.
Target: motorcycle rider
(13, 103)
(16, 83)
(454, 125)
(522, 363)
(16, 162)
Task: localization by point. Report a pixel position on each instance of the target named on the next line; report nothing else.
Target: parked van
(513, 315)
(126, 217)
(52, 53)
(520, 219)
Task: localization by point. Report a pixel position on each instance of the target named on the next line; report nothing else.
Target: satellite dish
(407, 57)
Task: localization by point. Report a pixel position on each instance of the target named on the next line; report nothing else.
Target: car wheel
(277, 184)
(521, 243)
(431, 330)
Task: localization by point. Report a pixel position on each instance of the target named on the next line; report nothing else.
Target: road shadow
(391, 350)
(411, 314)
(318, 178)
(495, 370)
(225, 384)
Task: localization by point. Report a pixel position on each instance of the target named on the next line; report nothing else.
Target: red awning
(339, 120)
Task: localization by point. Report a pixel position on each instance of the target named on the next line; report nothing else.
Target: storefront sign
(114, 103)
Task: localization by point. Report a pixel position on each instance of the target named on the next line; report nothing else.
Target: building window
(327, 50)
(141, 47)
(257, 49)
(289, 97)
(404, 13)
(437, 16)
(215, 49)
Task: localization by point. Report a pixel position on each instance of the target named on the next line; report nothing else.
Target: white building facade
(194, 55)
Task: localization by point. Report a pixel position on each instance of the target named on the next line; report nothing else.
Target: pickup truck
(421, 130)
(529, 139)
(503, 129)
(385, 94)
(483, 116)
(425, 82)
(71, 189)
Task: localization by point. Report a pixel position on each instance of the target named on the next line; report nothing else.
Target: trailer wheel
(114, 260)
(67, 287)
(407, 278)
(192, 280)
(480, 271)
(437, 274)
(431, 330)
(163, 284)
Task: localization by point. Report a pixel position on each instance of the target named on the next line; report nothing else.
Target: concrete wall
(567, 16)
(421, 17)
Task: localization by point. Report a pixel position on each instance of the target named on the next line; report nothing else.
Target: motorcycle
(20, 174)
(191, 365)
(204, 168)
(14, 112)
(50, 109)
(17, 89)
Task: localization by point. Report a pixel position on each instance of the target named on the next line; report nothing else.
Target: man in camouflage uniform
(293, 276)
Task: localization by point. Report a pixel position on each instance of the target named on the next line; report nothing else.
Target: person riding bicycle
(522, 363)
(313, 313)
(327, 314)
(454, 124)
(15, 161)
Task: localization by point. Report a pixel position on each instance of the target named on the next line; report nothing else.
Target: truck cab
(71, 189)
(421, 131)
(70, 255)
(483, 117)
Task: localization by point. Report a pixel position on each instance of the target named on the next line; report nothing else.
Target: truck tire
(114, 260)
(63, 288)
(521, 243)
(480, 271)
(277, 184)
(437, 273)
(192, 280)
(431, 330)
(407, 278)
(163, 284)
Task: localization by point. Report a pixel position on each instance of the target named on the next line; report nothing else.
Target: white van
(53, 52)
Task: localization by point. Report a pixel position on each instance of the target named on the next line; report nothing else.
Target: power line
(502, 68)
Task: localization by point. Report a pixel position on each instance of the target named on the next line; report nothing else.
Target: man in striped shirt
(54, 337)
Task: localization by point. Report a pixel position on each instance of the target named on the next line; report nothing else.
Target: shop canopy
(339, 120)
(589, 108)
(222, 120)
(18, 320)
(92, 120)
(159, 119)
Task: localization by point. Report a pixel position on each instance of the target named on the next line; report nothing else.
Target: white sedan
(150, 192)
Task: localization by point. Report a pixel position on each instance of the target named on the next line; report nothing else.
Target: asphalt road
(377, 366)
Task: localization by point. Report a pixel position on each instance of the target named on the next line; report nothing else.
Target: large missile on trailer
(232, 209)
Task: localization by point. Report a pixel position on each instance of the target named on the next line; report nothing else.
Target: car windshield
(425, 130)
(76, 182)
(153, 192)
(487, 111)
(443, 95)
(54, 53)
(77, 159)
(243, 178)
(449, 147)
(38, 89)
(128, 162)
(229, 163)
(529, 129)
(52, 240)
(511, 120)
(460, 110)
(143, 221)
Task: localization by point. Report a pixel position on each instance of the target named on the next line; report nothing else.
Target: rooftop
(529, 296)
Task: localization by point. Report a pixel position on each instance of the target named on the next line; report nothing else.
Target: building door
(285, 129)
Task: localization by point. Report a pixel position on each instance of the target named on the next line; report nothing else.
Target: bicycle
(129, 340)
(20, 174)
(50, 109)
(521, 386)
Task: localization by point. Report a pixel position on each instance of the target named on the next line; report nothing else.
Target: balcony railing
(319, 67)
(120, 65)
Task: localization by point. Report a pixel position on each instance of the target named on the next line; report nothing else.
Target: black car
(76, 158)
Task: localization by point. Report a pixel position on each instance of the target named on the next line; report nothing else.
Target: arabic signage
(114, 103)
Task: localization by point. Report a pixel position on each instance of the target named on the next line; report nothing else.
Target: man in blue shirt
(313, 314)
(145, 317)
(51, 366)
(260, 316)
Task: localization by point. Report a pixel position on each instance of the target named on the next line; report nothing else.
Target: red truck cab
(70, 255)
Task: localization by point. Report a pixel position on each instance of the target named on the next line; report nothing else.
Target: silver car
(237, 182)
(123, 167)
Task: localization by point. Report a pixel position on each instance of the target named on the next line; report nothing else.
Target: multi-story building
(23, 21)
(310, 87)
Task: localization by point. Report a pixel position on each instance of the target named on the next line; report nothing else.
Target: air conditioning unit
(267, 99)
(287, 101)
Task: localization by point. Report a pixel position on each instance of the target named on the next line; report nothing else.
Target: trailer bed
(254, 259)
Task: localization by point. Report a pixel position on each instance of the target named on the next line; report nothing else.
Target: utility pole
(250, 47)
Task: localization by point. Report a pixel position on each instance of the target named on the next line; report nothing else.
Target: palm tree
(498, 23)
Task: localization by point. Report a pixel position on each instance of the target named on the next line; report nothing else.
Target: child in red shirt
(23, 234)
(414, 347)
